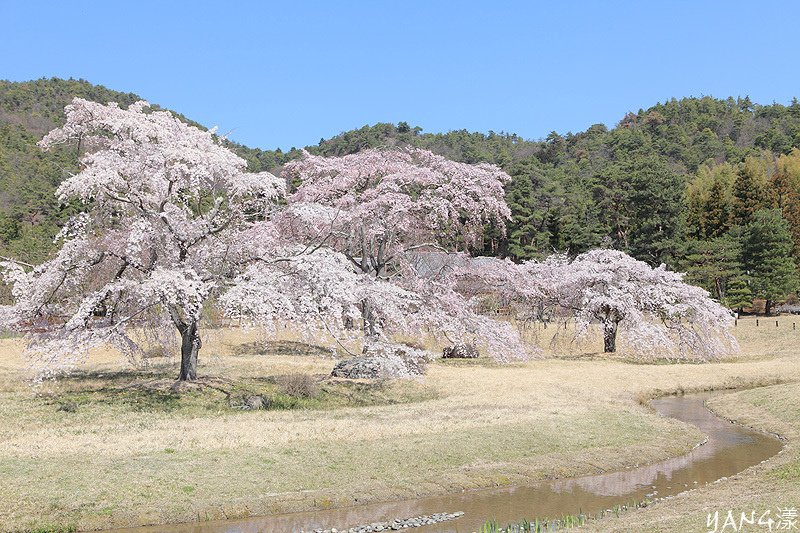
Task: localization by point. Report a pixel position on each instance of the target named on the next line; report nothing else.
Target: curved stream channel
(730, 449)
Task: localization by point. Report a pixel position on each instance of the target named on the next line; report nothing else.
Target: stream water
(730, 449)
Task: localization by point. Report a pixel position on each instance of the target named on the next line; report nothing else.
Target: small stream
(729, 450)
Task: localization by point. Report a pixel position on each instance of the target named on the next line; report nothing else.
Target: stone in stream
(395, 525)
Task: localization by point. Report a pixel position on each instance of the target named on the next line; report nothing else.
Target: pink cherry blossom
(374, 211)
(173, 219)
(656, 313)
(165, 205)
(379, 209)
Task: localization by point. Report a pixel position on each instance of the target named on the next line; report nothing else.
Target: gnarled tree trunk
(610, 324)
(370, 325)
(190, 346)
(610, 337)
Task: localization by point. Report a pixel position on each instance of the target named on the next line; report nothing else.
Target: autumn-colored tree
(785, 192)
(717, 218)
(709, 201)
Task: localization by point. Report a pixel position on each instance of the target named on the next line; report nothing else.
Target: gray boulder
(250, 402)
(460, 351)
(383, 360)
(363, 367)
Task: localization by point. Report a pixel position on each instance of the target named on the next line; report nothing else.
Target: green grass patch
(790, 472)
(567, 521)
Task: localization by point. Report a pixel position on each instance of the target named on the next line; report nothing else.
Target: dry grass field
(115, 446)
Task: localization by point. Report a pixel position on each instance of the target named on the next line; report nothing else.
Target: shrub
(299, 386)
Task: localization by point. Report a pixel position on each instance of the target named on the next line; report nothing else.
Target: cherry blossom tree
(323, 292)
(172, 219)
(654, 309)
(167, 209)
(377, 209)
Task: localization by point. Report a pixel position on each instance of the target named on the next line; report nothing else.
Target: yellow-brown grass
(123, 460)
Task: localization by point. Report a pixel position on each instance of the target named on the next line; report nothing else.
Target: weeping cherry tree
(170, 216)
(653, 308)
(373, 211)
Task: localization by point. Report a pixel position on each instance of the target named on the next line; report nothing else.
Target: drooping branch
(145, 249)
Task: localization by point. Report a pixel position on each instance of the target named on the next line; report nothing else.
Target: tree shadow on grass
(80, 377)
(130, 399)
(136, 389)
(626, 358)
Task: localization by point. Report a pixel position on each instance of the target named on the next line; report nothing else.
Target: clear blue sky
(287, 73)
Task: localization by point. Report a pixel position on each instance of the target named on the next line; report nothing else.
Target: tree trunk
(190, 346)
(370, 325)
(610, 335)
(767, 306)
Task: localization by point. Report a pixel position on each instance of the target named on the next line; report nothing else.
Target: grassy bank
(112, 447)
(770, 486)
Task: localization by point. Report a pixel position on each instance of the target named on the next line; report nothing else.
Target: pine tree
(785, 192)
(535, 199)
(738, 295)
(712, 264)
(642, 202)
(767, 256)
(748, 191)
(526, 231)
(717, 218)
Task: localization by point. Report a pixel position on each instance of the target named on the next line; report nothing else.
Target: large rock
(383, 360)
(363, 367)
(249, 402)
(460, 351)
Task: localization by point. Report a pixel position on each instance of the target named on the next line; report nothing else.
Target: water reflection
(728, 450)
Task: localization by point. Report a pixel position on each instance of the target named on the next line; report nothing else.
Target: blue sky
(288, 73)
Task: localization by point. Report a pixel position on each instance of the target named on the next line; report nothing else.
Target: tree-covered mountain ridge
(679, 182)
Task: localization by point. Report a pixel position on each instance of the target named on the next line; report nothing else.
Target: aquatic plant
(566, 521)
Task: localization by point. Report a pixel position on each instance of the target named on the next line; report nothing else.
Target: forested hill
(679, 182)
(30, 215)
(623, 186)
